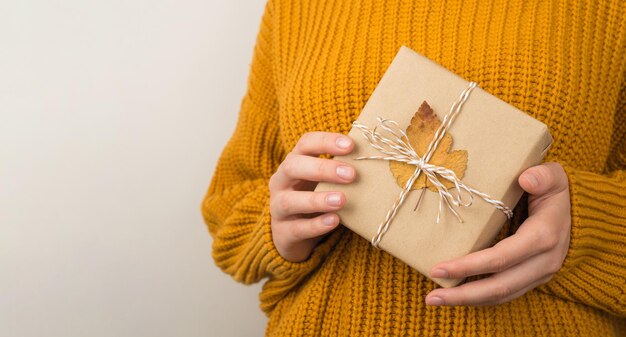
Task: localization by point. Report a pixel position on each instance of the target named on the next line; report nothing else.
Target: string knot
(419, 163)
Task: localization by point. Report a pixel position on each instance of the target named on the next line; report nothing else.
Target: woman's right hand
(301, 217)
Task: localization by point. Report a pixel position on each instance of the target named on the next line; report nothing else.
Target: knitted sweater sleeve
(594, 270)
(236, 205)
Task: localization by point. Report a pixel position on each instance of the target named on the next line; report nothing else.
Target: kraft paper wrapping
(501, 142)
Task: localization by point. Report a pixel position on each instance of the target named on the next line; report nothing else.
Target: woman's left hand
(523, 261)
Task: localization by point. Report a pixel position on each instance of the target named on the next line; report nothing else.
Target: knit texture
(315, 64)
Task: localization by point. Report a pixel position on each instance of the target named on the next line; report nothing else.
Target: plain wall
(112, 118)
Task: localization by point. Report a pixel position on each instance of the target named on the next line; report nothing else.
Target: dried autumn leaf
(421, 132)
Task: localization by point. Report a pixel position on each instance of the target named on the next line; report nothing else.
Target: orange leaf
(421, 132)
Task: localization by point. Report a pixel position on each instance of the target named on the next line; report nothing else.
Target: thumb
(544, 179)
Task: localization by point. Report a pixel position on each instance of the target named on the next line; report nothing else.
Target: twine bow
(398, 148)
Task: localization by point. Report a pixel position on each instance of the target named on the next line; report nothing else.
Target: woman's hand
(522, 261)
(296, 228)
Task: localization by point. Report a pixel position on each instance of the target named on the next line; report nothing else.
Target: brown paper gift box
(501, 142)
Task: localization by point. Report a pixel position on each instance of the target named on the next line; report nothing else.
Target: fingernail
(345, 172)
(434, 300)
(532, 179)
(439, 273)
(329, 220)
(343, 142)
(333, 199)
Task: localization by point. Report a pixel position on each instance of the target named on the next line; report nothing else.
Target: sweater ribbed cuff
(593, 271)
(243, 245)
(284, 274)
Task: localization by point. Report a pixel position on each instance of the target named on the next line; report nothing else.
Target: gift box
(437, 161)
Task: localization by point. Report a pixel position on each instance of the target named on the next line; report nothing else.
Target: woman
(561, 270)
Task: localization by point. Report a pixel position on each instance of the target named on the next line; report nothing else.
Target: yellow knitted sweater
(316, 63)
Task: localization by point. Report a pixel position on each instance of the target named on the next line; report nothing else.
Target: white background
(112, 117)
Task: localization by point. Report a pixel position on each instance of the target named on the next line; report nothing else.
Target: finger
(494, 289)
(299, 167)
(303, 202)
(544, 179)
(514, 249)
(521, 292)
(514, 295)
(318, 142)
(310, 228)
